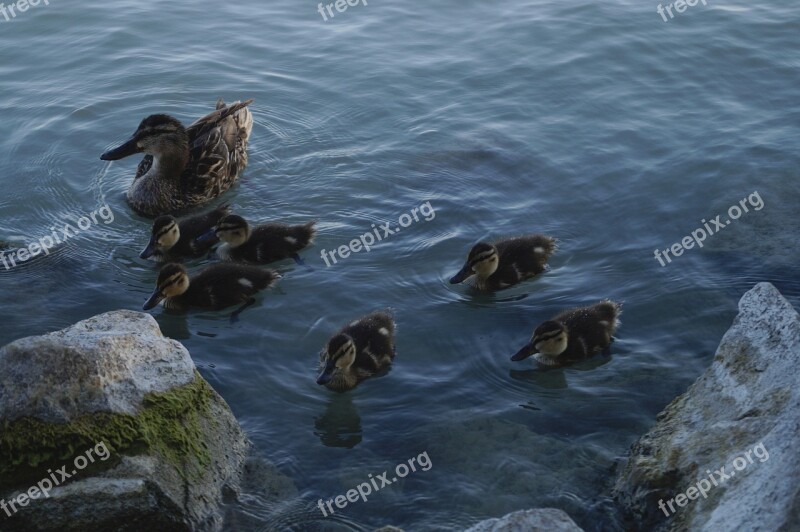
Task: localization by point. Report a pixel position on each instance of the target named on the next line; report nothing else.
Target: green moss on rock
(169, 424)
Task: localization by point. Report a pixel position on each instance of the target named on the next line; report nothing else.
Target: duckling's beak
(208, 235)
(149, 250)
(524, 353)
(129, 148)
(154, 300)
(465, 272)
(327, 373)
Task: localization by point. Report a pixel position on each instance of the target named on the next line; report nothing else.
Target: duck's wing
(217, 149)
(216, 119)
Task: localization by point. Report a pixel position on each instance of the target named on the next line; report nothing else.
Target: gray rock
(104, 364)
(113, 382)
(540, 519)
(742, 414)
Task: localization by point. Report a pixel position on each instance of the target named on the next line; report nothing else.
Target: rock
(540, 519)
(104, 364)
(121, 411)
(742, 414)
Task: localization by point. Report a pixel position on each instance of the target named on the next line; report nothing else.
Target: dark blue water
(597, 123)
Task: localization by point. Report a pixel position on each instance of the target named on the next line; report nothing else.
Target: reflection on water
(340, 424)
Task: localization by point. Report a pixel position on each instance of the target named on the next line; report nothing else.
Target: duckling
(186, 166)
(573, 334)
(215, 287)
(261, 244)
(358, 351)
(172, 240)
(506, 262)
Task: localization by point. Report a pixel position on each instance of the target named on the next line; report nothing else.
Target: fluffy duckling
(261, 244)
(215, 287)
(186, 166)
(573, 335)
(506, 262)
(360, 350)
(173, 240)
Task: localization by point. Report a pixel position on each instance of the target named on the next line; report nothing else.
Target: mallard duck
(506, 262)
(172, 240)
(358, 351)
(261, 244)
(186, 167)
(573, 334)
(216, 287)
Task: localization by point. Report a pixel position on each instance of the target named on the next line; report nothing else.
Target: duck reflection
(340, 424)
(554, 378)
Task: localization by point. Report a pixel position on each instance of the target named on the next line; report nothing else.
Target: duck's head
(165, 234)
(482, 261)
(172, 281)
(550, 339)
(156, 135)
(338, 359)
(233, 230)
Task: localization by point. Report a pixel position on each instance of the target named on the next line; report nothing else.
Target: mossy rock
(169, 424)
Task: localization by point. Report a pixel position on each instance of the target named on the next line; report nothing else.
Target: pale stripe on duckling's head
(550, 338)
(484, 259)
(166, 232)
(233, 230)
(173, 280)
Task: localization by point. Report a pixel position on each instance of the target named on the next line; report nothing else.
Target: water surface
(596, 123)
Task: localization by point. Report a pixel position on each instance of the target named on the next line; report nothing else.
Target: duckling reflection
(554, 377)
(340, 424)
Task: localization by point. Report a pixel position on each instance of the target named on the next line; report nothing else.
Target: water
(597, 123)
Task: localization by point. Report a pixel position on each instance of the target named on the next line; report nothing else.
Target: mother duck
(186, 166)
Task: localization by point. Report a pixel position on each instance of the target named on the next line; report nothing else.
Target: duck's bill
(327, 373)
(524, 353)
(154, 300)
(129, 148)
(461, 276)
(207, 236)
(149, 251)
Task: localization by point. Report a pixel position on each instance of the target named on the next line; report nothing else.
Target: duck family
(186, 167)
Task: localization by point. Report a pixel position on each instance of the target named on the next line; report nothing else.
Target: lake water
(595, 122)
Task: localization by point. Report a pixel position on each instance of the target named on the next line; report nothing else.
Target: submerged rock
(723, 455)
(106, 425)
(540, 519)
